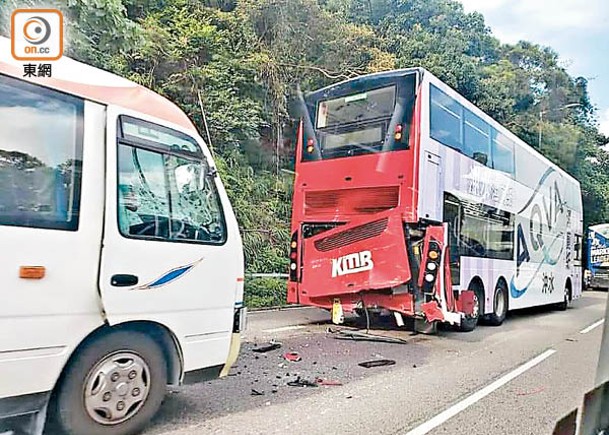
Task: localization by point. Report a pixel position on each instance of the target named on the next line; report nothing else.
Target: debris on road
(292, 356)
(256, 393)
(377, 363)
(530, 392)
(345, 334)
(299, 382)
(273, 345)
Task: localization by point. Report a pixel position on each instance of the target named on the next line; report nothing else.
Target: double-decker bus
(409, 198)
(598, 256)
(121, 262)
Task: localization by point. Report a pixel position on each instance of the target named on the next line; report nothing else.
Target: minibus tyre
(495, 318)
(468, 324)
(72, 412)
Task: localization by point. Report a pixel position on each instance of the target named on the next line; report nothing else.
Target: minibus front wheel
(114, 385)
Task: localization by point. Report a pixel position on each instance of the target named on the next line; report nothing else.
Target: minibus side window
(165, 190)
(41, 140)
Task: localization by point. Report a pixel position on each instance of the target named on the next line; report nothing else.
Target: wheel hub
(116, 388)
(476, 309)
(500, 304)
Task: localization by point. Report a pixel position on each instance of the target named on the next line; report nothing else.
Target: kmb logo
(37, 34)
(352, 263)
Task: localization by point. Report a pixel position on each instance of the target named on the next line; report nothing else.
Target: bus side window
(446, 120)
(41, 140)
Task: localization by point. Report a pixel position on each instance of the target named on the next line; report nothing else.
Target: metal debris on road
(377, 363)
(344, 334)
(299, 382)
(273, 345)
(292, 356)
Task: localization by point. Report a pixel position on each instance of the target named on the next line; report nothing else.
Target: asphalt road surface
(520, 378)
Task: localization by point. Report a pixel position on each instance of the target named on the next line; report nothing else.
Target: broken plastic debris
(377, 363)
(292, 356)
(299, 382)
(257, 393)
(269, 347)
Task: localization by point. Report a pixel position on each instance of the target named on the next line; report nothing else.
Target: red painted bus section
(370, 198)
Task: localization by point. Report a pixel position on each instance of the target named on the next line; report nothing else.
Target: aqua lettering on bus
(540, 242)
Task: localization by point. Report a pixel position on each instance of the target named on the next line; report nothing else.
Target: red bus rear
(357, 238)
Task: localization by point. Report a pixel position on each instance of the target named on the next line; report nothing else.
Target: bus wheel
(469, 322)
(562, 306)
(114, 385)
(500, 305)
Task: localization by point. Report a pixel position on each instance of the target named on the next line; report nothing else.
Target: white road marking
(479, 395)
(284, 328)
(591, 327)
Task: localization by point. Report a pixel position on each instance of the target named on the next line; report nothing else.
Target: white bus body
(121, 263)
(515, 218)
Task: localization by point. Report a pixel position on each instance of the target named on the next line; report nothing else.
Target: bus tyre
(500, 305)
(562, 306)
(469, 322)
(114, 385)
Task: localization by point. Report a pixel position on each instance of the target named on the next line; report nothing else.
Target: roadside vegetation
(244, 58)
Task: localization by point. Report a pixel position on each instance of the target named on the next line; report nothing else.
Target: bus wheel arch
(469, 323)
(161, 355)
(501, 303)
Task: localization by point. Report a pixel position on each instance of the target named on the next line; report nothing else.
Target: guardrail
(267, 275)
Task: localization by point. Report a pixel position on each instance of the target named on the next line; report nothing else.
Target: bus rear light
(433, 255)
(429, 277)
(294, 257)
(432, 266)
(310, 145)
(398, 132)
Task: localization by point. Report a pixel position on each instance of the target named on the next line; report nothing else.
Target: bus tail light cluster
(294, 257)
(399, 132)
(432, 264)
(310, 145)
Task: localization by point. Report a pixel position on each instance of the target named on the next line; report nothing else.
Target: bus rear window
(369, 136)
(374, 104)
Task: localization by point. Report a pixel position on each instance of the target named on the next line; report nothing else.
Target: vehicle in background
(409, 198)
(598, 257)
(121, 261)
